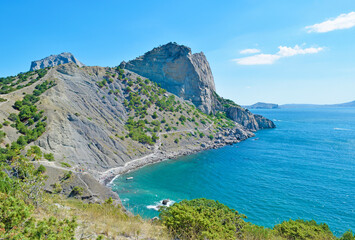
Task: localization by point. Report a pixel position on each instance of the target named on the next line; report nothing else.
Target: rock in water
(54, 60)
(178, 71)
(249, 120)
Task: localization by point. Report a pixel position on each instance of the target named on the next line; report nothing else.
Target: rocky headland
(104, 121)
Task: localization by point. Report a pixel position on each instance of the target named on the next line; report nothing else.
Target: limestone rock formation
(189, 76)
(249, 120)
(54, 60)
(179, 71)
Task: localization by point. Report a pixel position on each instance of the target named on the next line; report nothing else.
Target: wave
(342, 129)
(160, 204)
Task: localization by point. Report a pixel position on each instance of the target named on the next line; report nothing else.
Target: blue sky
(315, 64)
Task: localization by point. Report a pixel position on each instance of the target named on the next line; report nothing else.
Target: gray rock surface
(189, 76)
(249, 120)
(55, 60)
(179, 71)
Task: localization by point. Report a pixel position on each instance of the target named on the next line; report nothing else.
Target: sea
(304, 168)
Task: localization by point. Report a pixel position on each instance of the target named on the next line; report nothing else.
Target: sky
(273, 51)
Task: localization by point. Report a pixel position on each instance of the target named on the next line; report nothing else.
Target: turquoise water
(305, 168)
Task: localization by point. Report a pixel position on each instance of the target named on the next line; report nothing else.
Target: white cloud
(250, 51)
(261, 59)
(343, 21)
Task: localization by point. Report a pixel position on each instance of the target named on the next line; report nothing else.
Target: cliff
(179, 71)
(189, 76)
(54, 60)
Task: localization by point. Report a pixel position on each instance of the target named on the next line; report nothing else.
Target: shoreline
(106, 178)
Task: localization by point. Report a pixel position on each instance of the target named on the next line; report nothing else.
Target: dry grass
(100, 220)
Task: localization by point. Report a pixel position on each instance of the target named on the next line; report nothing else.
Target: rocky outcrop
(54, 60)
(189, 76)
(249, 120)
(179, 71)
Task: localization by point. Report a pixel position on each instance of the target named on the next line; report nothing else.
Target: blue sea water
(305, 168)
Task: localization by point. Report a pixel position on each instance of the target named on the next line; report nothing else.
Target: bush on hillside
(202, 219)
(302, 230)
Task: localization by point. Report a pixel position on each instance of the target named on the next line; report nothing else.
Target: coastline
(106, 178)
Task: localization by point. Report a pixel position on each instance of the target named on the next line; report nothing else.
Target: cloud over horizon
(343, 21)
(263, 59)
(250, 51)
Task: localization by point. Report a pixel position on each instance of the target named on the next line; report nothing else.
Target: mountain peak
(54, 60)
(179, 71)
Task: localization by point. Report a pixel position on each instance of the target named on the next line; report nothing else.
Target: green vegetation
(202, 219)
(209, 219)
(300, 229)
(77, 191)
(2, 99)
(64, 164)
(49, 156)
(2, 136)
(13, 83)
(226, 103)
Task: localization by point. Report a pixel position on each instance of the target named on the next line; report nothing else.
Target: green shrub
(64, 164)
(49, 156)
(16, 222)
(57, 188)
(35, 152)
(41, 169)
(202, 219)
(77, 191)
(67, 175)
(2, 136)
(303, 230)
(109, 200)
(348, 235)
(155, 115)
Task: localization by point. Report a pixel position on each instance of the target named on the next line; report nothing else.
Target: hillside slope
(99, 122)
(105, 121)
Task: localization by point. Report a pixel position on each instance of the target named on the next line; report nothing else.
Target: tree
(34, 152)
(155, 115)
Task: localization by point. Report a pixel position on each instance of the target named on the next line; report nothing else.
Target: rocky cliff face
(179, 71)
(54, 60)
(189, 76)
(249, 120)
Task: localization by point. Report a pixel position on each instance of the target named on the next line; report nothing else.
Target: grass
(106, 220)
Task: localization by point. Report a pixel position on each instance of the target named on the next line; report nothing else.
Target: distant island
(348, 104)
(262, 105)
